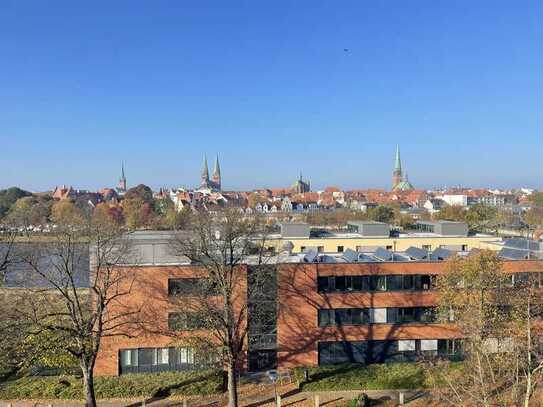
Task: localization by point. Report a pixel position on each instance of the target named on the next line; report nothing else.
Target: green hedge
(360, 377)
(126, 386)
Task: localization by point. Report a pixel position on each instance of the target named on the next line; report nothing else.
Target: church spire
(121, 186)
(398, 161)
(205, 171)
(397, 173)
(216, 178)
(217, 168)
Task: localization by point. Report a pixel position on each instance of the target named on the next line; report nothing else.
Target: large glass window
(420, 282)
(394, 283)
(408, 282)
(147, 357)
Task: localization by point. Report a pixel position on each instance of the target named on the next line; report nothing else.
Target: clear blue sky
(268, 85)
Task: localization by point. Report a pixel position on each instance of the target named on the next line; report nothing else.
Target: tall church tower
(204, 179)
(216, 177)
(121, 186)
(397, 173)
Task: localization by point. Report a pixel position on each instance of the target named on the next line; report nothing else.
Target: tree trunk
(88, 386)
(232, 385)
(527, 396)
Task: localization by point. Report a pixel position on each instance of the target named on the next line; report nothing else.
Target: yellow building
(368, 236)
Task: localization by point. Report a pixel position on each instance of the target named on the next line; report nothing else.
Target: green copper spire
(398, 162)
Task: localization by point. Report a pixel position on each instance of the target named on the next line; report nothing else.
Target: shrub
(360, 377)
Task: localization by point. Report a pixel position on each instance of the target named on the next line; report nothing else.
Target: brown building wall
(148, 299)
(298, 333)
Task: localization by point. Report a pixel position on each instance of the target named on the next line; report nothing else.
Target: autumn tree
(533, 217)
(220, 246)
(63, 299)
(382, 213)
(30, 211)
(494, 313)
(8, 197)
(536, 198)
(453, 213)
(481, 217)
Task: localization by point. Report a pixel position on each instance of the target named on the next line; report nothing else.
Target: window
(378, 283)
(394, 283)
(389, 247)
(320, 249)
(408, 282)
(361, 283)
(326, 317)
(426, 314)
(129, 357)
(341, 283)
(340, 249)
(406, 315)
(464, 247)
(407, 345)
(425, 282)
(302, 249)
(185, 356)
(179, 286)
(375, 283)
(343, 317)
(360, 316)
(427, 247)
(163, 356)
(428, 345)
(392, 315)
(378, 315)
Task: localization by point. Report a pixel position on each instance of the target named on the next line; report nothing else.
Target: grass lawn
(360, 377)
(126, 386)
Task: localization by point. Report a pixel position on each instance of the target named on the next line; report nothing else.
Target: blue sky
(268, 85)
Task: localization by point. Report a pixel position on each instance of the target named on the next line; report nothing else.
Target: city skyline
(198, 181)
(275, 90)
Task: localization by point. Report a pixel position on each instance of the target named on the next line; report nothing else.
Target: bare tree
(215, 310)
(10, 334)
(60, 300)
(7, 254)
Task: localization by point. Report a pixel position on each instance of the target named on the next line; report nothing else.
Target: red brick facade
(298, 300)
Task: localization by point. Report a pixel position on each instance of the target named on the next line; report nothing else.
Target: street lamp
(273, 375)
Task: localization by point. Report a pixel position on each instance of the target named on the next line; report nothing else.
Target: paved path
(260, 396)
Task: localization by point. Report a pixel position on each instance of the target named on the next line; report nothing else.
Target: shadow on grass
(165, 392)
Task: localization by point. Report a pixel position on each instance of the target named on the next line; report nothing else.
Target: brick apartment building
(324, 309)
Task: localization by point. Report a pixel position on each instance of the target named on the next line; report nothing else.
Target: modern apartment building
(353, 306)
